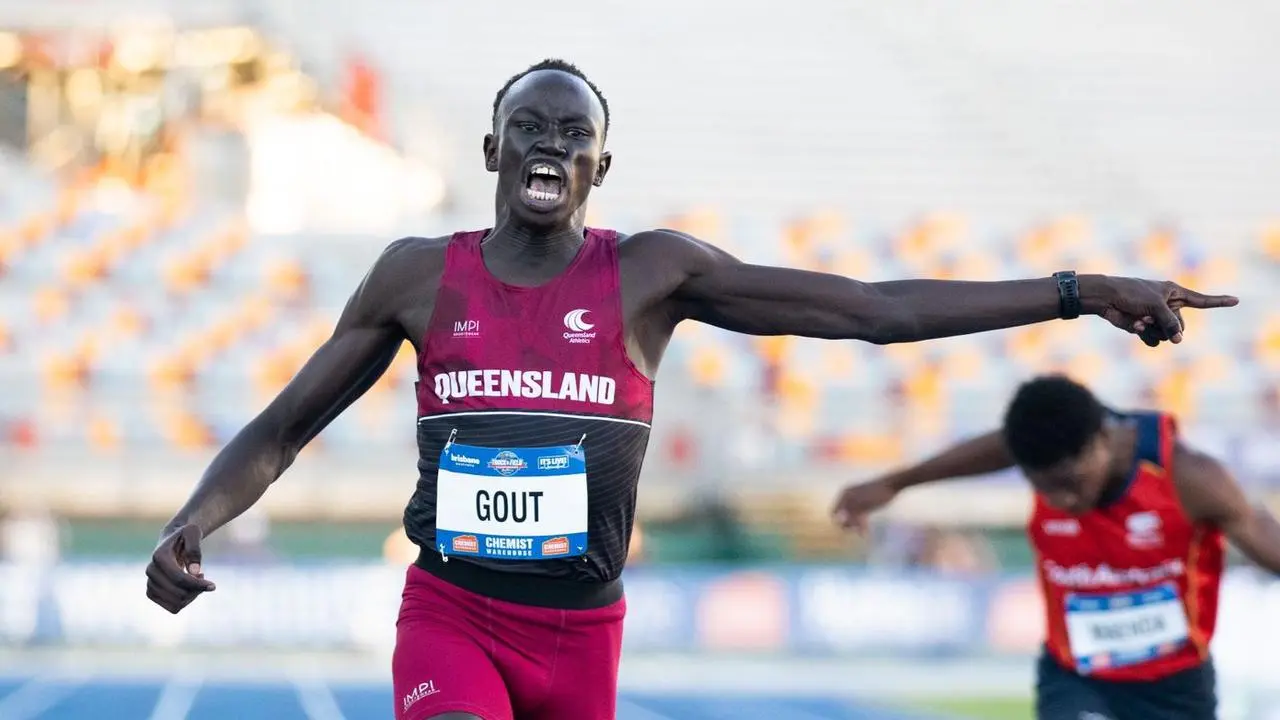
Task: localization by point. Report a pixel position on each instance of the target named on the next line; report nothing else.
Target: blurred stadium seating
(189, 192)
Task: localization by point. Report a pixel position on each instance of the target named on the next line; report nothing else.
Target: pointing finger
(1192, 299)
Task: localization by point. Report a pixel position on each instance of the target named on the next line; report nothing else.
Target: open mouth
(544, 183)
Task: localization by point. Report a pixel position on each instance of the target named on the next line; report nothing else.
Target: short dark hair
(1051, 419)
(563, 66)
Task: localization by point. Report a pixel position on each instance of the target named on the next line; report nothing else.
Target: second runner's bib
(1118, 629)
(512, 503)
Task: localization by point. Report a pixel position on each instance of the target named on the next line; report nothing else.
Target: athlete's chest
(1143, 529)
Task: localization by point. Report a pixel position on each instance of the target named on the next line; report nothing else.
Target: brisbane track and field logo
(507, 463)
(575, 321)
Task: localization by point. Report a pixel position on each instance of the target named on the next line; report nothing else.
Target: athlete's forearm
(927, 309)
(236, 479)
(1258, 537)
(979, 456)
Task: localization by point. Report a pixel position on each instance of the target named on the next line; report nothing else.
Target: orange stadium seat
(838, 361)
(773, 348)
(1043, 248)
(1214, 272)
(707, 364)
(68, 204)
(84, 267)
(1085, 365)
(51, 304)
(872, 448)
(962, 362)
(36, 228)
(104, 434)
(114, 246)
(1174, 391)
(63, 372)
(255, 312)
(1266, 345)
(183, 429)
(184, 275)
(1159, 251)
(287, 280)
(926, 391)
(10, 245)
(923, 243)
(171, 372)
(1029, 346)
(975, 265)
(1097, 261)
(704, 223)
(1270, 240)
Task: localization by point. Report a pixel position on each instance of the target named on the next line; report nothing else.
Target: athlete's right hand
(174, 577)
(856, 502)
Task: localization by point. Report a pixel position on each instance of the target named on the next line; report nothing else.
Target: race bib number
(1120, 629)
(512, 503)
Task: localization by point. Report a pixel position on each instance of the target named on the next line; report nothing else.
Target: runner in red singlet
(537, 342)
(1128, 530)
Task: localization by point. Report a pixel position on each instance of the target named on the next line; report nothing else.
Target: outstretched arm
(364, 342)
(721, 290)
(978, 456)
(361, 348)
(1211, 495)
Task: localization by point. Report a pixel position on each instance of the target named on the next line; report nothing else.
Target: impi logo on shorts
(423, 690)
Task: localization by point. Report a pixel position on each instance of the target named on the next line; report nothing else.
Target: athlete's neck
(529, 244)
(1124, 448)
(521, 255)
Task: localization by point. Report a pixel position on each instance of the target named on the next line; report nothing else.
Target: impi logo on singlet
(547, 384)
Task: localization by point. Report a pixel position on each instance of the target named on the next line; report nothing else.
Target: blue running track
(67, 698)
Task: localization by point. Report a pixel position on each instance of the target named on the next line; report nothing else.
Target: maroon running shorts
(457, 651)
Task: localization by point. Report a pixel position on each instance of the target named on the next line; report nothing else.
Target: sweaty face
(1076, 484)
(547, 147)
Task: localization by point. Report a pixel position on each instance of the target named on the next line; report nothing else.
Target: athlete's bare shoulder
(669, 257)
(402, 282)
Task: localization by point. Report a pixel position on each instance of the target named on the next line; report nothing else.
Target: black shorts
(1064, 695)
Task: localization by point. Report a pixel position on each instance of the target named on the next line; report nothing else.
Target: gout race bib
(512, 503)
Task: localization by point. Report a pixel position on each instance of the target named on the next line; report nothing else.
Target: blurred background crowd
(190, 191)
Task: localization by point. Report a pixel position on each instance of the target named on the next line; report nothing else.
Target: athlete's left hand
(175, 577)
(1151, 309)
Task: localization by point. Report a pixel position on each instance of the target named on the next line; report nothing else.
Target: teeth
(545, 171)
(540, 195)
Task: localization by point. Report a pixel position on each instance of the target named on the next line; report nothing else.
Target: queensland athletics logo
(575, 321)
(507, 463)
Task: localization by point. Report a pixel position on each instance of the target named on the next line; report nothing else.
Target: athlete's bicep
(1211, 495)
(721, 290)
(336, 375)
(365, 340)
